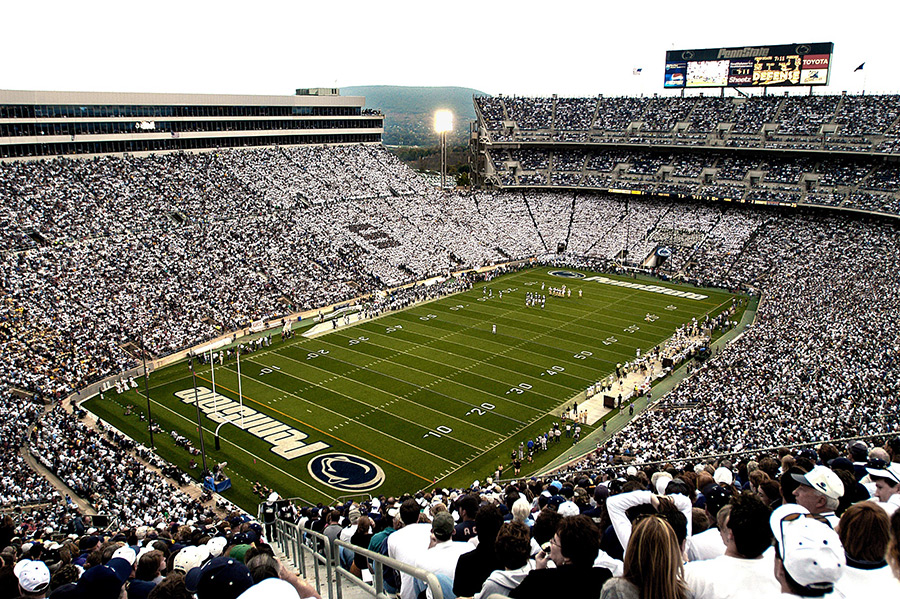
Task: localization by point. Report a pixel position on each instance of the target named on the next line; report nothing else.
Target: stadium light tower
(443, 123)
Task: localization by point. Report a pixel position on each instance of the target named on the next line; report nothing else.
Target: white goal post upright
(240, 390)
(212, 371)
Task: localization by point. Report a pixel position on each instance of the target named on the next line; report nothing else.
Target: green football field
(425, 397)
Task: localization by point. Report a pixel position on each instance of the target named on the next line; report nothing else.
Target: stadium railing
(309, 550)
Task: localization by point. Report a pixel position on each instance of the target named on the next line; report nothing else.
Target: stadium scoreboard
(750, 66)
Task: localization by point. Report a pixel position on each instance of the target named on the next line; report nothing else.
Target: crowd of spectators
(702, 528)
(846, 122)
(794, 180)
(209, 243)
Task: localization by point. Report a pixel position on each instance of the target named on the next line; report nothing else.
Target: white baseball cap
(823, 480)
(34, 576)
(723, 476)
(567, 508)
(890, 472)
(126, 553)
(809, 548)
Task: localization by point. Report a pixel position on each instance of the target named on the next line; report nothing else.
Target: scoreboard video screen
(756, 66)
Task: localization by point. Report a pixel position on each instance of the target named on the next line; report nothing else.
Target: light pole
(443, 123)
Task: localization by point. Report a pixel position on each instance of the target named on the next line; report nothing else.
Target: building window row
(176, 143)
(36, 111)
(76, 128)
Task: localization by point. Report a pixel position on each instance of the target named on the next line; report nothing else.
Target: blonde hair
(653, 561)
(521, 509)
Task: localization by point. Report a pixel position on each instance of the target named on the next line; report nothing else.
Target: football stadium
(653, 348)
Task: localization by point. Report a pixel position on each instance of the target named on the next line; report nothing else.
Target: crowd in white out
(172, 250)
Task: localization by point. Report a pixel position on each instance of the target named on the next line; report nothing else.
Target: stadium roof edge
(150, 98)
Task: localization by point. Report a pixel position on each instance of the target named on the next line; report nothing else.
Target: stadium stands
(100, 255)
(827, 147)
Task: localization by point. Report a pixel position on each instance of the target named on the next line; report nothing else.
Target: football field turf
(424, 397)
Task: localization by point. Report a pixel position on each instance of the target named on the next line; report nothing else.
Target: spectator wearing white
(820, 491)
(746, 568)
(443, 553)
(33, 578)
(408, 543)
(887, 485)
(617, 506)
(865, 532)
(709, 543)
(809, 557)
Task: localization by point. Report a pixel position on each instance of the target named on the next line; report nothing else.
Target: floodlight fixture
(443, 121)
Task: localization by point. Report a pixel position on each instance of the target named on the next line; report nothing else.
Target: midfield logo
(346, 472)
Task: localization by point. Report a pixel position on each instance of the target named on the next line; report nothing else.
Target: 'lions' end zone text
(650, 288)
(287, 442)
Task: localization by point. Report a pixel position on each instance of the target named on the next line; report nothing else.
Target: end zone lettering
(287, 442)
(650, 288)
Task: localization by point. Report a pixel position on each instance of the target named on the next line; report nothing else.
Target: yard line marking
(285, 373)
(337, 438)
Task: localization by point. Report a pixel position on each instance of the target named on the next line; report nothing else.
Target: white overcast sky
(517, 47)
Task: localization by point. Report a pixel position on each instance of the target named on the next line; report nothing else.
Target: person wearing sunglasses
(573, 550)
(809, 557)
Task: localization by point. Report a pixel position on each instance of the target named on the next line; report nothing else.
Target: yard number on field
(553, 370)
(443, 430)
(316, 354)
(268, 369)
(522, 388)
(481, 410)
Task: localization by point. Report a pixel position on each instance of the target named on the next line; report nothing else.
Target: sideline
(660, 389)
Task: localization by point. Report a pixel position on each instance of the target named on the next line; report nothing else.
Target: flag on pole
(859, 68)
(637, 71)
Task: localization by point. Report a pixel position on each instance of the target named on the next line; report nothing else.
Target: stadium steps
(83, 505)
(533, 221)
(571, 219)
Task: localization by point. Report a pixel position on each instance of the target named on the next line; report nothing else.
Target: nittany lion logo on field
(346, 472)
(567, 274)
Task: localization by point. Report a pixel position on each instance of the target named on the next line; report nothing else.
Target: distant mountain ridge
(409, 111)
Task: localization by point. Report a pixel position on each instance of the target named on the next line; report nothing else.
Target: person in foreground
(809, 557)
(653, 565)
(573, 549)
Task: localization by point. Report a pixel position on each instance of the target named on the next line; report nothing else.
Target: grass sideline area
(428, 396)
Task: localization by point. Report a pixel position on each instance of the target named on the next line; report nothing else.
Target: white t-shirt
(728, 577)
(705, 545)
(406, 545)
(867, 584)
(442, 559)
